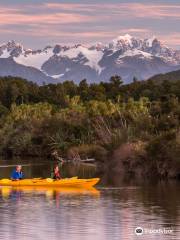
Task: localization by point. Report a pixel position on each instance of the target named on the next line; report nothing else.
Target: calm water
(105, 213)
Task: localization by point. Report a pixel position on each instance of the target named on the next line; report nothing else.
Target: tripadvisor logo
(139, 231)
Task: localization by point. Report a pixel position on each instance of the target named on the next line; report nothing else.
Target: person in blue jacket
(17, 174)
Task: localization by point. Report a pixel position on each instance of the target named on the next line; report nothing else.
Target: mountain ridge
(126, 56)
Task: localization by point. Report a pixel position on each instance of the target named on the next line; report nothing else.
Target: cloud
(154, 11)
(56, 33)
(89, 22)
(172, 40)
(57, 18)
(61, 37)
(136, 30)
(72, 6)
(140, 10)
(65, 13)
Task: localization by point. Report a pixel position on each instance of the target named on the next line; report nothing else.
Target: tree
(83, 90)
(115, 84)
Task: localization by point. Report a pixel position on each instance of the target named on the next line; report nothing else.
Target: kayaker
(56, 173)
(17, 174)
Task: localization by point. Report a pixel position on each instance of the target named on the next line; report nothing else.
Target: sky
(37, 23)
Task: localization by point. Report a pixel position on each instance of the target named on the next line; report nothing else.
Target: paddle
(49, 180)
(5, 180)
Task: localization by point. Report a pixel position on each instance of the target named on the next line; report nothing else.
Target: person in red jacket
(56, 173)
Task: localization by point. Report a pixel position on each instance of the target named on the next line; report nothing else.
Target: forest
(135, 127)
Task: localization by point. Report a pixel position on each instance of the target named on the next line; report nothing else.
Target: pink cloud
(90, 35)
(9, 9)
(123, 9)
(56, 33)
(71, 6)
(152, 10)
(136, 30)
(60, 18)
(76, 13)
(173, 39)
(56, 20)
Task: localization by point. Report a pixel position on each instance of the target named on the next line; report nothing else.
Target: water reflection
(107, 213)
(101, 214)
(8, 192)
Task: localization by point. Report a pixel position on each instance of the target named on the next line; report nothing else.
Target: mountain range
(126, 56)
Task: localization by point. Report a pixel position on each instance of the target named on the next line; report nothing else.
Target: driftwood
(76, 158)
(87, 160)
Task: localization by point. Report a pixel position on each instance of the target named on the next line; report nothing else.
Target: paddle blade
(5, 180)
(49, 180)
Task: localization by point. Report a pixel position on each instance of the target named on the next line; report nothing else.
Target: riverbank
(129, 129)
(132, 161)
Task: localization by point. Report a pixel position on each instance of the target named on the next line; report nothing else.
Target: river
(108, 212)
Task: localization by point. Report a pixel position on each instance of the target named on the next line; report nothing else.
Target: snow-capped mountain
(126, 56)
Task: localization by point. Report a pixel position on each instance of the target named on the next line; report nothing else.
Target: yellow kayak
(48, 182)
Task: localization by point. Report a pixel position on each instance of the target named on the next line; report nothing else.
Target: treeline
(94, 120)
(18, 91)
